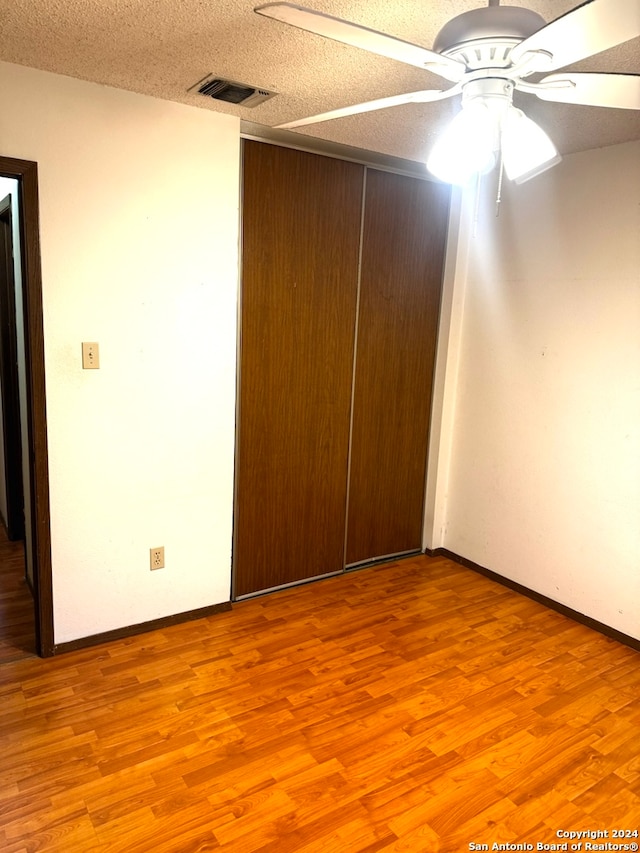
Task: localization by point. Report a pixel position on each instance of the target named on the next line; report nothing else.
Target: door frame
(11, 433)
(26, 173)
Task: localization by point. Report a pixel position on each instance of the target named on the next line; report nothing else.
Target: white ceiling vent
(231, 91)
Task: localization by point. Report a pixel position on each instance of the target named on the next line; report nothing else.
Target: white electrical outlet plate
(157, 558)
(90, 355)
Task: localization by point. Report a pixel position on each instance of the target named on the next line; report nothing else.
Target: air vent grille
(231, 91)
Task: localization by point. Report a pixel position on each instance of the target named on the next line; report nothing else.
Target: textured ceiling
(163, 47)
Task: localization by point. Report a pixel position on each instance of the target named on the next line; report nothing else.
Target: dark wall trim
(583, 619)
(337, 150)
(26, 173)
(142, 628)
(9, 381)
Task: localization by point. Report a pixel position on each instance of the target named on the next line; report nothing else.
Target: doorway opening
(25, 541)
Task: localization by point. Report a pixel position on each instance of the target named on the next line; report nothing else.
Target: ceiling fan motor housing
(496, 92)
(484, 38)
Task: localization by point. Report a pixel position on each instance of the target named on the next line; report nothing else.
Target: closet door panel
(301, 227)
(405, 224)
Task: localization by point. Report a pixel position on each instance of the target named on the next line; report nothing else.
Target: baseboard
(607, 630)
(142, 628)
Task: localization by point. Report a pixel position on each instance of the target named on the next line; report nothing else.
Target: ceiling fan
(487, 54)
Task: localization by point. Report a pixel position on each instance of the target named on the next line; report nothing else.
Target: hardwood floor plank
(527, 821)
(17, 618)
(414, 706)
(446, 812)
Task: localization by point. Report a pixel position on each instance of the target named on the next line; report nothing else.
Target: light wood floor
(415, 706)
(17, 632)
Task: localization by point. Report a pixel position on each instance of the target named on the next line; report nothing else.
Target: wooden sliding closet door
(300, 232)
(403, 248)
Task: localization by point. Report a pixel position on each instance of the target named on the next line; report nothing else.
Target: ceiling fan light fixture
(466, 148)
(487, 125)
(527, 150)
(488, 53)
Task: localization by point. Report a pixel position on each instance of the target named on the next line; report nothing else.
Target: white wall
(446, 371)
(139, 231)
(543, 485)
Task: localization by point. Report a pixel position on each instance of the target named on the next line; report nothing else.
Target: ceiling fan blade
(621, 91)
(363, 37)
(590, 28)
(379, 104)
